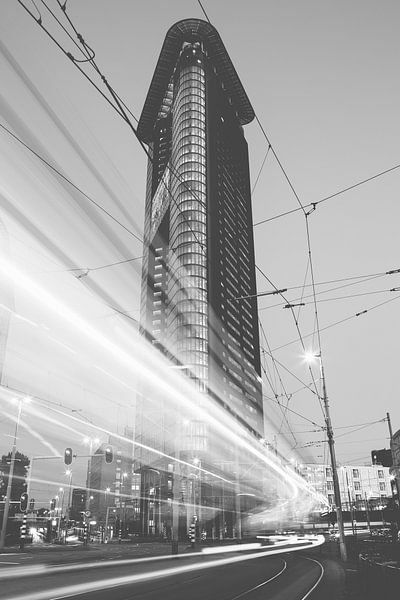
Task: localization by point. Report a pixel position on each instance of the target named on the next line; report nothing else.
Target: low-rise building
(358, 484)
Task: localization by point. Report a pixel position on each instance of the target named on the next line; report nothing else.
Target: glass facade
(187, 288)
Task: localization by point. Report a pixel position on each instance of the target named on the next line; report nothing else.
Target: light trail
(143, 362)
(114, 582)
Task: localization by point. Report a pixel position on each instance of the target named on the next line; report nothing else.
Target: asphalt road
(283, 577)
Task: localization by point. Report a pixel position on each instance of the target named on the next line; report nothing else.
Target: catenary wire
(276, 400)
(260, 171)
(284, 416)
(296, 287)
(338, 193)
(334, 289)
(358, 314)
(120, 262)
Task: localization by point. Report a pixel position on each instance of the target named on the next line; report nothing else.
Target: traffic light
(108, 453)
(23, 502)
(31, 503)
(68, 456)
(52, 504)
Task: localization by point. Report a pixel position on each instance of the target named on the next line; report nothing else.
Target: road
(248, 575)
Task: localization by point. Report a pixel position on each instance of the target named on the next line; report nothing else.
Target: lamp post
(331, 442)
(11, 473)
(68, 472)
(106, 525)
(60, 511)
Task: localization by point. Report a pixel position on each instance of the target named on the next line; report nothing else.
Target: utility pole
(336, 488)
(10, 480)
(390, 426)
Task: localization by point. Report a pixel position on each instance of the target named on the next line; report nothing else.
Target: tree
(19, 484)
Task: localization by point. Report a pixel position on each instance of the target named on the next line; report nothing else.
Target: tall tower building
(198, 289)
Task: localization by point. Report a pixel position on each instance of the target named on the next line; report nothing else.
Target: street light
(68, 473)
(20, 401)
(310, 358)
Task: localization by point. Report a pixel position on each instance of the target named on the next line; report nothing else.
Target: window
(356, 473)
(331, 499)
(329, 485)
(382, 486)
(358, 497)
(328, 472)
(380, 474)
(357, 485)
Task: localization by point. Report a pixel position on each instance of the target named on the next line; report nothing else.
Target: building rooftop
(192, 30)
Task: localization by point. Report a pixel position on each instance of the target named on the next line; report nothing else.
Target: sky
(321, 77)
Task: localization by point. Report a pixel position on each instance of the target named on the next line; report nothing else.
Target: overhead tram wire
(296, 287)
(270, 147)
(65, 178)
(120, 105)
(280, 292)
(358, 314)
(321, 427)
(284, 416)
(120, 262)
(397, 289)
(306, 215)
(260, 170)
(334, 289)
(360, 428)
(123, 107)
(313, 205)
(69, 56)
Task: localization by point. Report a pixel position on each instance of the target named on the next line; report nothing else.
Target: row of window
(184, 156)
(190, 178)
(191, 167)
(187, 201)
(188, 294)
(190, 215)
(189, 91)
(189, 237)
(191, 344)
(190, 306)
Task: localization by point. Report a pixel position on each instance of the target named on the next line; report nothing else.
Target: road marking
(6, 562)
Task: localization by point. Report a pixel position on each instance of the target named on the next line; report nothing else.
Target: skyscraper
(199, 285)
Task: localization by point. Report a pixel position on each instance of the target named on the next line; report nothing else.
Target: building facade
(358, 484)
(78, 504)
(115, 484)
(395, 469)
(198, 284)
